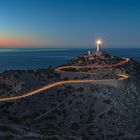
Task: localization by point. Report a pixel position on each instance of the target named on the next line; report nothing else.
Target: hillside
(105, 110)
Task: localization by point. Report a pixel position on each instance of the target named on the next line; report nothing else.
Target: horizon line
(68, 47)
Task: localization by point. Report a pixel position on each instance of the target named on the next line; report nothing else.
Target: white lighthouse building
(98, 45)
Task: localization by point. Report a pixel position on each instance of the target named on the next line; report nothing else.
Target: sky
(69, 23)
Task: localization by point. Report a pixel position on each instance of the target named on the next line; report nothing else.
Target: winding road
(61, 70)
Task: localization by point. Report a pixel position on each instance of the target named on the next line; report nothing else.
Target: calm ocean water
(34, 58)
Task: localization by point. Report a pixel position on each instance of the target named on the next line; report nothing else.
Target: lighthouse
(98, 45)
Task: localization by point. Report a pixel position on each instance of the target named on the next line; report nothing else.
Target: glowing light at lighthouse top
(98, 44)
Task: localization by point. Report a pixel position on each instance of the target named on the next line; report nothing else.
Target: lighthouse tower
(98, 45)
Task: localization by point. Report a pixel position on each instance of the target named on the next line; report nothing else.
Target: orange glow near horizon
(18, 41)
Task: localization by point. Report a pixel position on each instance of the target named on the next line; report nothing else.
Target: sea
(34, 58)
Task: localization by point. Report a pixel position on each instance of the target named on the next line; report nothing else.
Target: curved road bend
(60, 70)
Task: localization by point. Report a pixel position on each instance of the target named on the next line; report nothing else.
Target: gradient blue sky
(70, 23)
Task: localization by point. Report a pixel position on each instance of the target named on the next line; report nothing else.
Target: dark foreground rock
(72, 111)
